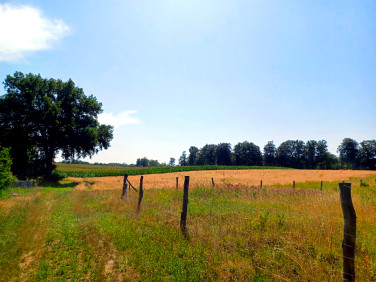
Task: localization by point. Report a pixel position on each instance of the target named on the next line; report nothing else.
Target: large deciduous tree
(367, 154)
(40, 117)
(223, 153)
(270, 151)
(247, 153)
(348, 153)
(291, 154)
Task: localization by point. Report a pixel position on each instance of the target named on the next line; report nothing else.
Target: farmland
(82, 230)
(89, 170)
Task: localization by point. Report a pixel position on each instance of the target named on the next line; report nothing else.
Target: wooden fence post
(140, 195)
(261, 184)
(177, 183)
(124, 194)
(293, 184)
(213, 182)
(183, 218)
(349, 232)
(321, 186)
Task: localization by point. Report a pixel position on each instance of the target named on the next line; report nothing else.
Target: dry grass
(223, 178)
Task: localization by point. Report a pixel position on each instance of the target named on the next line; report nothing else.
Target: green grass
(85, 170)
(233, 234)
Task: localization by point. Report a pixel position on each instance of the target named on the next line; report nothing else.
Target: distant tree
(323, 159)
(310, 155)
(270, 151)
(40, 117)
(247, 153)
(142, 162)
(172, 162)
(193, 151)
(207, 155)
(153, 163)
(367, 154)
(348, 152)
(331, 162)
(223, 154)
(183, 159)
(291, 154)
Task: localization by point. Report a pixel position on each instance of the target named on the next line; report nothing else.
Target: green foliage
(6, 177)
(270, 151)
(247, 153)
(39, 117)
(364, 184)
(367, 154)
(348, 152)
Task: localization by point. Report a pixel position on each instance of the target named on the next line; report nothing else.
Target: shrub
(6, 176)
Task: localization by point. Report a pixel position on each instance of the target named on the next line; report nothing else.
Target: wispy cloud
(118, 120)
(24, 30)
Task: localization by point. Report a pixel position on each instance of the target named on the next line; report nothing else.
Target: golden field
(223, 178)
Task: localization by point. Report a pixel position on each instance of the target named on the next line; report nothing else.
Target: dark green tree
(207, 155)
(172, 162)
(348, 152)
(193, 151)
(143, 162)
(247, 153)
(183, 159)
(40, 117)
(269, 157)
(310, 154)
(6, 177)
(291, 154)
(323, 159)
(367, 154)
(223, 154)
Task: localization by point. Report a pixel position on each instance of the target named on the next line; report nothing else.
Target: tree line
(291, 153)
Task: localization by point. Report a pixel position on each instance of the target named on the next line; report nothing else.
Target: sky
(171, 74)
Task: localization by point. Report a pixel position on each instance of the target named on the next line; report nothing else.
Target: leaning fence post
(213, 182)
(183, 219)
(349, 232)
(124, 194)
(140, 195)
(177, 183)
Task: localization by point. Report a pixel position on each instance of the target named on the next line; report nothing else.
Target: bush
(6, 176)
(57, 176)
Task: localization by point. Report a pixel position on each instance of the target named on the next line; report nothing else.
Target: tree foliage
(270, 152)
(348, 152)
(223, 154)
(247, 153)
(6, 177)
(40, 117)
(367, 154)
(183, 159)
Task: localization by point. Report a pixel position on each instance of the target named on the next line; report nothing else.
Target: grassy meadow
(234, 233)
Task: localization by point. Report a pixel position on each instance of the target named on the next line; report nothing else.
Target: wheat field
(224, 178)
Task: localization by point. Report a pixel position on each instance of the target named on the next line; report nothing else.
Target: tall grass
(234, 233)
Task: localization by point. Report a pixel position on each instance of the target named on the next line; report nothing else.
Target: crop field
(90, 170)
(81, 229)
(230, 178)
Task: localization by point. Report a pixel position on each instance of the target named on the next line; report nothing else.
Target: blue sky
(172, 74)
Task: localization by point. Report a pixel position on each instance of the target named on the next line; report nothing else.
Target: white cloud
(118, 120)
(24, 30)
